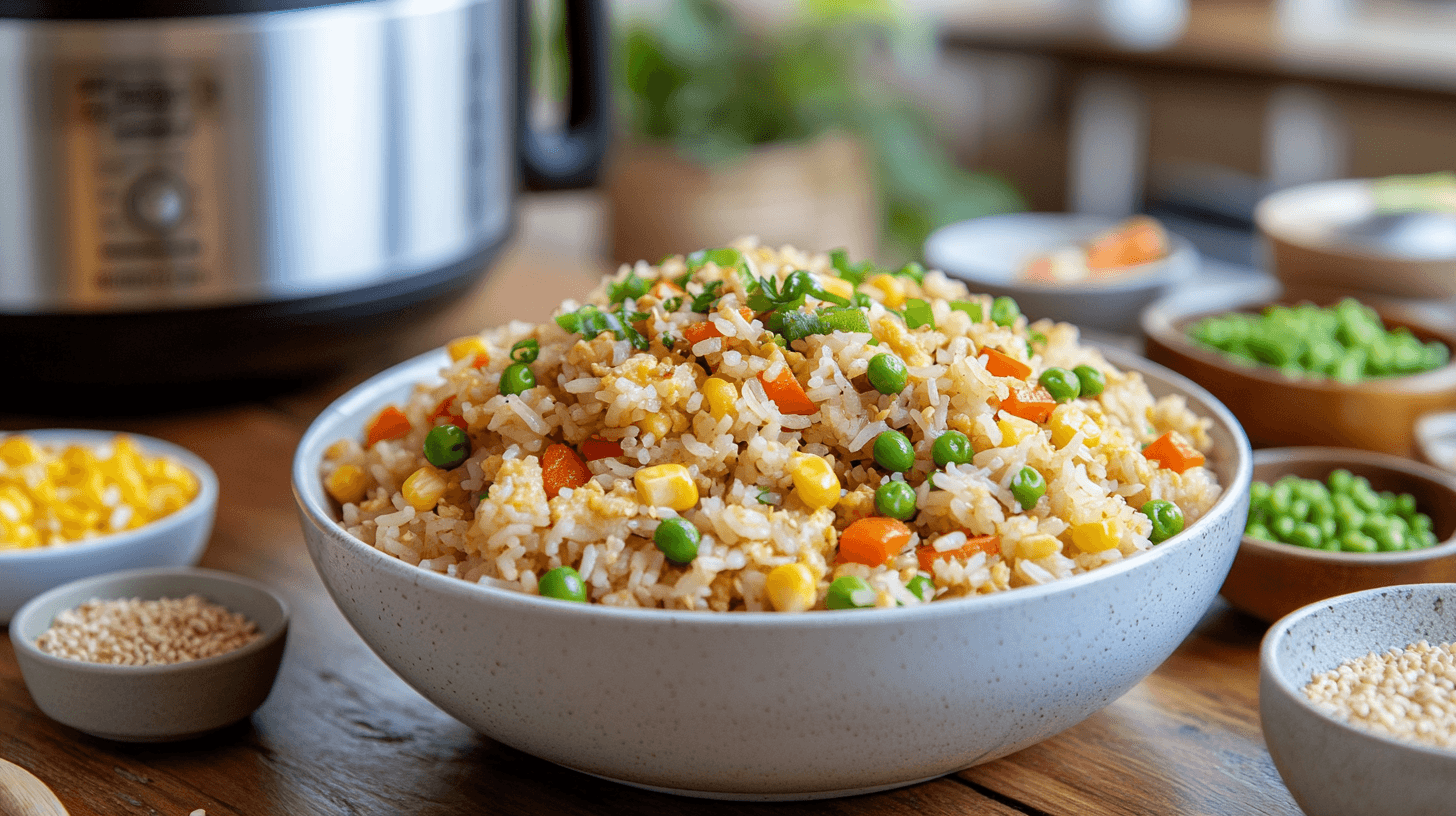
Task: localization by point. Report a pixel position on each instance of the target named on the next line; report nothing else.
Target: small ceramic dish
(1333, 235)
(1436, 439)
(989, 253)
(1270, 579)
(1332, 767)
(155, 703)
(1276, 409)
(177, 540)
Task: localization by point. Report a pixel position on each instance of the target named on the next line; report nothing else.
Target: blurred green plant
(697, 78)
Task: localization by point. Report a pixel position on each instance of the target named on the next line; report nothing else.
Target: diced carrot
(598, 448)
(787, 394)
(1001, 364)
(1040, 270)
(443, 411)
(988, 544)
(1136, 241)
(481, 360)
(561, 468)
(1029, 402)
(873, 540)
(391, 423)
(698, 332)
(1171, 451)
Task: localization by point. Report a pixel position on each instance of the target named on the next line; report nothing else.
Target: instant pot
(221, 192)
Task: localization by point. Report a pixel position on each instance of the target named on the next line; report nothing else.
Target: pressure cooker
(212, 193)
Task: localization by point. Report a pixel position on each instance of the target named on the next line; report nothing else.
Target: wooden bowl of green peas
(1327, 521)
(1332, 372)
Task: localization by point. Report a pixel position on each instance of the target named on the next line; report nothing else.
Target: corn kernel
(15, 504)
(656, 424)
(1065, 423)
(17, 451)
(791, 588)
(815, 480)
(1039, 545)
(666, 486)
(346, 484)
(722, 397)
(892, 290)
(1096, 536)
(836, 286)
(1014, 429)
(423, 489)
(462, 348)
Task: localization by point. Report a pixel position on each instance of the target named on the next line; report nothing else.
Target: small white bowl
(175, 541)
(1333, 768)
(989, 253)
(153, 703)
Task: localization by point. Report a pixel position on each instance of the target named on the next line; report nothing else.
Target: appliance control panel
(144, 188)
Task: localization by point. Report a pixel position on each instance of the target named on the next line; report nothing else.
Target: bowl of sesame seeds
(1357, 699)
(78, 502)
(151, 655)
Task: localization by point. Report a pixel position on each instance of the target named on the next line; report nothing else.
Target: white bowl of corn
(76, 503)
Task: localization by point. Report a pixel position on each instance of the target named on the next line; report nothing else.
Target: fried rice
(636, 395)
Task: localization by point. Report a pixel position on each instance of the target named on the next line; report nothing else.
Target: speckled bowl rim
(1171, 268)
(203, 504)
(1269, 664)
(267, 637)
(346, 416)
(1158, 324)
(1333, 456)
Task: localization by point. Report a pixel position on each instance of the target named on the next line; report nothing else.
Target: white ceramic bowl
(988, 254)
(175, 541)
(767, 705)
(1333, 768)
(153, 703)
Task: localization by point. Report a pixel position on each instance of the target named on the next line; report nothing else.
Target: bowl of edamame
(1327, 521)
(1336, 372)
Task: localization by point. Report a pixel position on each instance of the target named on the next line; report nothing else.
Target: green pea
(1389, 539)
(1282, 527)
(1280, 497)
(1299, 509)
(1091, 380)
(678, 540)
(850, 592)
(1354, 541)
(1305, 534)
(1405, 504)
(1328, 528)
(952, 447)
(1167, 519)
(446, 446)
(517, 379)
(1426, 538)
(895, 500)
(1060, 383)
(887, 374)
(563, 583)
(922, 587)
(1004, 311)
(1027, 486)
(1258, 531)
(893, 451)
(1258, 493)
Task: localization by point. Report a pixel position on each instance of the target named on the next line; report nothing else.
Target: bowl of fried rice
(768, 524)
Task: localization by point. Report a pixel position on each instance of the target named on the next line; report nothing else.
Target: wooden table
(341, 734)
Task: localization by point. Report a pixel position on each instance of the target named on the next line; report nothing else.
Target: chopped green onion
(860, 300)
(845, 319)
(632, 287)
(672, 304)
(839, 259)
(911, 270)
(971, 308)
(526, 351)
(703, 303)
(917, 314)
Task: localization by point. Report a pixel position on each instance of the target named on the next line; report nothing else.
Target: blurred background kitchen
(312, 179)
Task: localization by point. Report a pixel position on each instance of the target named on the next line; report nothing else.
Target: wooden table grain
(341, 734)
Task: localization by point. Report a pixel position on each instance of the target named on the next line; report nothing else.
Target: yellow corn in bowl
(76, 503)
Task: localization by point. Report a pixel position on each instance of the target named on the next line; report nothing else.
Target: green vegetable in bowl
(1346, 342)
(1342, 514)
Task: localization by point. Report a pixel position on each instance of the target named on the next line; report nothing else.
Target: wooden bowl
(1276, 409)
(1269, 580)
(1327, 235)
